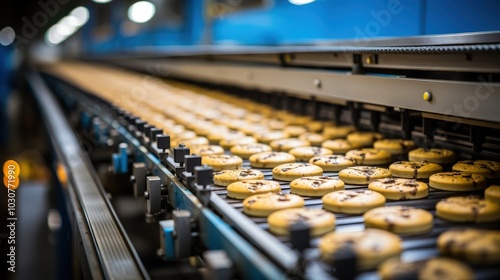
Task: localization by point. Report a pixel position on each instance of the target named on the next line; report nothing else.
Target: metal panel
(474, 100)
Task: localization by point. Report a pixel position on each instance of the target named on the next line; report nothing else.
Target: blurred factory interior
(34, 33)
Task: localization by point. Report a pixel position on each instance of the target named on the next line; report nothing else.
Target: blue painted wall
(323, 20)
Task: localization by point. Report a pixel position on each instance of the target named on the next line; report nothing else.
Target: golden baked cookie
(315, 185)
(314, 138)
(339, 146)
(352, 201)
(285, 145)
(262, 205)
(197, 141)
(270, 159)
(216, 136)
(437, 268)
(467, 209)
(472, 245)
(363, 175)
(226, 177)
(394, 146)
(414, 170)
(363, 139)
(305, 153)
(220, 162)
(368, 156)
(441, 156)
(295, 130)
(487, 168)
(246, 150)
(205, 150)
(492, 193)
(457, 181)
(267, 137)
(319, 220)
(400, 189)
(246, 188)
(332, 162)
(291, 171)
(317, 126)
(227, 143)
(371, 246)
(399, 219)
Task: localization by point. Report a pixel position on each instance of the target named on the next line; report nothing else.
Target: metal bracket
(153, 194)
(219, 266)
(182, 226)
(138, 178)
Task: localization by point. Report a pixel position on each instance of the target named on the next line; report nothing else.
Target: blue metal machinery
(279, 22)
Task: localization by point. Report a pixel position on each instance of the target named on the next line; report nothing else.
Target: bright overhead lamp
(7, 36)
(141, 11)
(301, 2)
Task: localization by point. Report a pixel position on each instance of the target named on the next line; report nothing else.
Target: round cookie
(314, 138)
(363, 139)
(363, 175)
(432, 269)
(472, 245)
(220, 162)
(267, 137)
(399, 219)
(246, 150)
(368, 156)
(339, 146)
(467, 209)
(352, 201)
(197, 141)
(285, 145)
(492, 193)
(246, 188)
(414, 170)
(332, 162)
(226, 177)
(371, 246)
(441, 156)
(307, 152)
(319, 220)
(205, 150)
(295, 130)
(291, 171)
(335, 132)
(457, 181)
(487, 168)
(216, 136)
(394, 146)
(270, 159)
(315, 185)
(227, 143)
(400, 189)
(262, 205)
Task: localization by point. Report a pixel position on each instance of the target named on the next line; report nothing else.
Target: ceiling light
(300, 2)
(7, 36)
(141, 11)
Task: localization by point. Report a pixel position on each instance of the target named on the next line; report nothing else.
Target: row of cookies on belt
(285, 209)
(381, 222)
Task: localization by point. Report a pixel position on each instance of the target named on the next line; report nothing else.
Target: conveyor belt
(415, 247)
